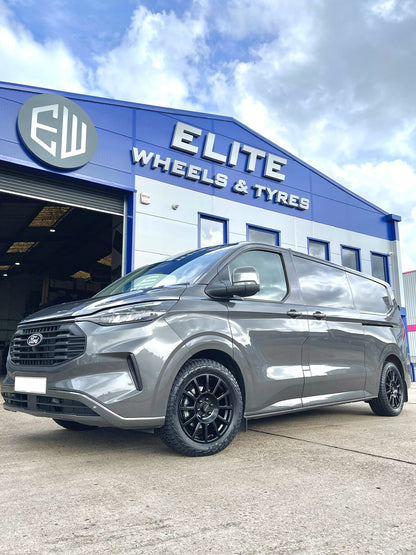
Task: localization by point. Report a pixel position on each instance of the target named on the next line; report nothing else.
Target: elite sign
(57, 131)
(183, 140)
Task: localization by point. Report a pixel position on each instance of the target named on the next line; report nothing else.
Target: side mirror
(245, 283)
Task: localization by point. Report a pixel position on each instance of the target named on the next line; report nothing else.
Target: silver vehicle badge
(34, 339)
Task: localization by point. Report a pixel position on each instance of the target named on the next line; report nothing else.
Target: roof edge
(136, 105)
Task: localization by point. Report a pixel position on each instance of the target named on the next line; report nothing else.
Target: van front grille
(58, 343)
(18, 400)
(62, 406)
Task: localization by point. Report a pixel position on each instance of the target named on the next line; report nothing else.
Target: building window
(380, 266)
(351, 258)
(212, 230)
(318, 249)
(263, 235)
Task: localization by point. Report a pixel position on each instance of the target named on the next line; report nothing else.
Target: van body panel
(335, 351)
(382, 343)
(272, 342)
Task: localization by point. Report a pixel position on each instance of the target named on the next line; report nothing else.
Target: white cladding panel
(169, 225)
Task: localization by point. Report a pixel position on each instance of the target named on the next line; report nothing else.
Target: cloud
(339, 76)
(159, 60)
(392, 182)
(49, 64)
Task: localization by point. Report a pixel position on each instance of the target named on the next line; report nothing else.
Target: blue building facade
(178, 180)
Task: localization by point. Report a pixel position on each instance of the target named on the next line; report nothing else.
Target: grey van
(192, 345)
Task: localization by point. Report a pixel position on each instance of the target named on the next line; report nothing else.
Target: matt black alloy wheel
(394, 388)
(204, 410)
(391, 395)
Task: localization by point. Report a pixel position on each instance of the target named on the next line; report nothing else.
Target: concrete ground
(338, 480)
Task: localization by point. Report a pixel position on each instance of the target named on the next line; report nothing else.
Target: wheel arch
(214, 347)
(396, 360)
(227, 361)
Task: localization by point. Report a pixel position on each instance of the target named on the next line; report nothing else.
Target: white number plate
(30, 385)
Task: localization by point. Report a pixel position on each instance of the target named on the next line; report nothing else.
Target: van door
(269, 330)
(335, 346)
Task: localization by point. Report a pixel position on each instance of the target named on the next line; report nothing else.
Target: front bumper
(67, 405)
(120, 379)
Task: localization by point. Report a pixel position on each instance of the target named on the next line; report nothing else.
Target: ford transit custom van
(192, 345)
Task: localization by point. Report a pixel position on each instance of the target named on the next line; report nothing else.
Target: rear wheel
(204, 410)
(390, 398)
(74, 426)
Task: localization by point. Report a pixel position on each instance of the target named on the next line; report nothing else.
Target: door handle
(319, 315)
(294, 313)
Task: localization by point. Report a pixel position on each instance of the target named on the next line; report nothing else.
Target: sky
(331, 81)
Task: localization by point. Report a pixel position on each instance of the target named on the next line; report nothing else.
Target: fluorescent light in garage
(106, 260)
(21, 246)
(49, 216)
(81, 275)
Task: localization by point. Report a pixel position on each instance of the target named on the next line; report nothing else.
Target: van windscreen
(183, 269)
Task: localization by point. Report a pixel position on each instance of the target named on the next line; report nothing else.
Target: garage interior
(52, 253)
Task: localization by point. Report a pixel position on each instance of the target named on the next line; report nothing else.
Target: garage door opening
(52, 253)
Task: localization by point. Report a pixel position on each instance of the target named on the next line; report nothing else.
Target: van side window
(323, 285)
(269, 266)
(370, 296)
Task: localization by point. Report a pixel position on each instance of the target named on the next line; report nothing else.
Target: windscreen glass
(183, 269)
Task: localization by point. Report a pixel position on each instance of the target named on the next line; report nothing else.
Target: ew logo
(57, 131)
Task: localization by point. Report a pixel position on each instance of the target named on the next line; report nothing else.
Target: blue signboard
(206, 153)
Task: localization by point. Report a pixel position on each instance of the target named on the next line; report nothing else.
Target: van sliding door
(335, 346)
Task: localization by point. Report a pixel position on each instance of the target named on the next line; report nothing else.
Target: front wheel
(204, 410)
(390, 398)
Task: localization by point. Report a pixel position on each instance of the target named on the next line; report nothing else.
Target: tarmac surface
(337, 480)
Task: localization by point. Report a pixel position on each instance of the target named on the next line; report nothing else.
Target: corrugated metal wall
(58, 189)
(409, 283)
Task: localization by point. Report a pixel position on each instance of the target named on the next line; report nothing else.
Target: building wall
(169, 224)
(166, 153)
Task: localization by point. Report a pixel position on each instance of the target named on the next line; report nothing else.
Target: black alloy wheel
(391, 395)
(204, 410)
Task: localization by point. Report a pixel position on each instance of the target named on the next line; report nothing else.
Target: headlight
(144, 312)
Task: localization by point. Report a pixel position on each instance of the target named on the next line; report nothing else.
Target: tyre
(391, 393)
(74, 426)
(204, 410)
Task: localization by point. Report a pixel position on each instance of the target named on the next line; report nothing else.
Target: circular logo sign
(57, 131)
(34, 339)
